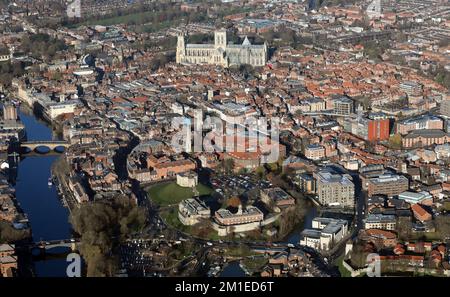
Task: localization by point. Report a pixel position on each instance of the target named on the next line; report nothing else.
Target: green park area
(168, 195)
(171, 193)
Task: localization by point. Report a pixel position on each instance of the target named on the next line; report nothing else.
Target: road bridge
(51, 144)
(46, 245)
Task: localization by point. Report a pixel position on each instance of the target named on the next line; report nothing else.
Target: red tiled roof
(419, 210)
(141, 99)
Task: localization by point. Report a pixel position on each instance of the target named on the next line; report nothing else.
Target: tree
(359, 255)
(404, 229)
(10, 70)
(374, 49)
(228, 165)
(395, 141)
(8, 234)
(442, 76)
(291, 217)
(56, 75)
(103, 225)
(160, 60)
(234, 202)
(443, 226)
(261, 172)
(272, 167)
(42, 45)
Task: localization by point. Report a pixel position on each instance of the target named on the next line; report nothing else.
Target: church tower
(374, 9)
(181, 47)
(220, 38)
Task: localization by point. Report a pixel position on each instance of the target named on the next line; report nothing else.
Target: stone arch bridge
(51, 144)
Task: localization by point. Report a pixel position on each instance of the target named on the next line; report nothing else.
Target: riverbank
(56, 125)
(14, 224)
(60, 172)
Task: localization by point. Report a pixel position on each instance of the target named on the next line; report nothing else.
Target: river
(294, 236)
(47, 216)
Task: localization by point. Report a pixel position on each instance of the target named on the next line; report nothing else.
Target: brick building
(243, 216)
(422, 138)
(378, 129)
(8, 262)
(420, 213)
(425, 122)
(389, 185)
(314, 152)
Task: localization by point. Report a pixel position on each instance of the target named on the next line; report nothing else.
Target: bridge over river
(46, 245)
(50, 144)
(35, 147)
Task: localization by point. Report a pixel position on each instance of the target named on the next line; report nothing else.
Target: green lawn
(239, 251)
(171, 193)
(170, 216)
(344, 272)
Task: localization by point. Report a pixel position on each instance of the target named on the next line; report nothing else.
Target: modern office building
(378, 129)
(413, 197)
(411, 87)
(305, 182)
(325, 233)
(335, 189)
(374, 127)
(315, 152)
(343, 106)
(380, 221)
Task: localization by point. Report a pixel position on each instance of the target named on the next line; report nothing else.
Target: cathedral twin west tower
(221, 53)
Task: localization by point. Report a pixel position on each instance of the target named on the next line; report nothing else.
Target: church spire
(246, 41)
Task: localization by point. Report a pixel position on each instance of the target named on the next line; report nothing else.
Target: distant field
(134, 18)
(171, 193)
(154, 20)
(147, 21)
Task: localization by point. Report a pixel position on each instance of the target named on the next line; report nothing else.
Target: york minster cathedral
(221, 52)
